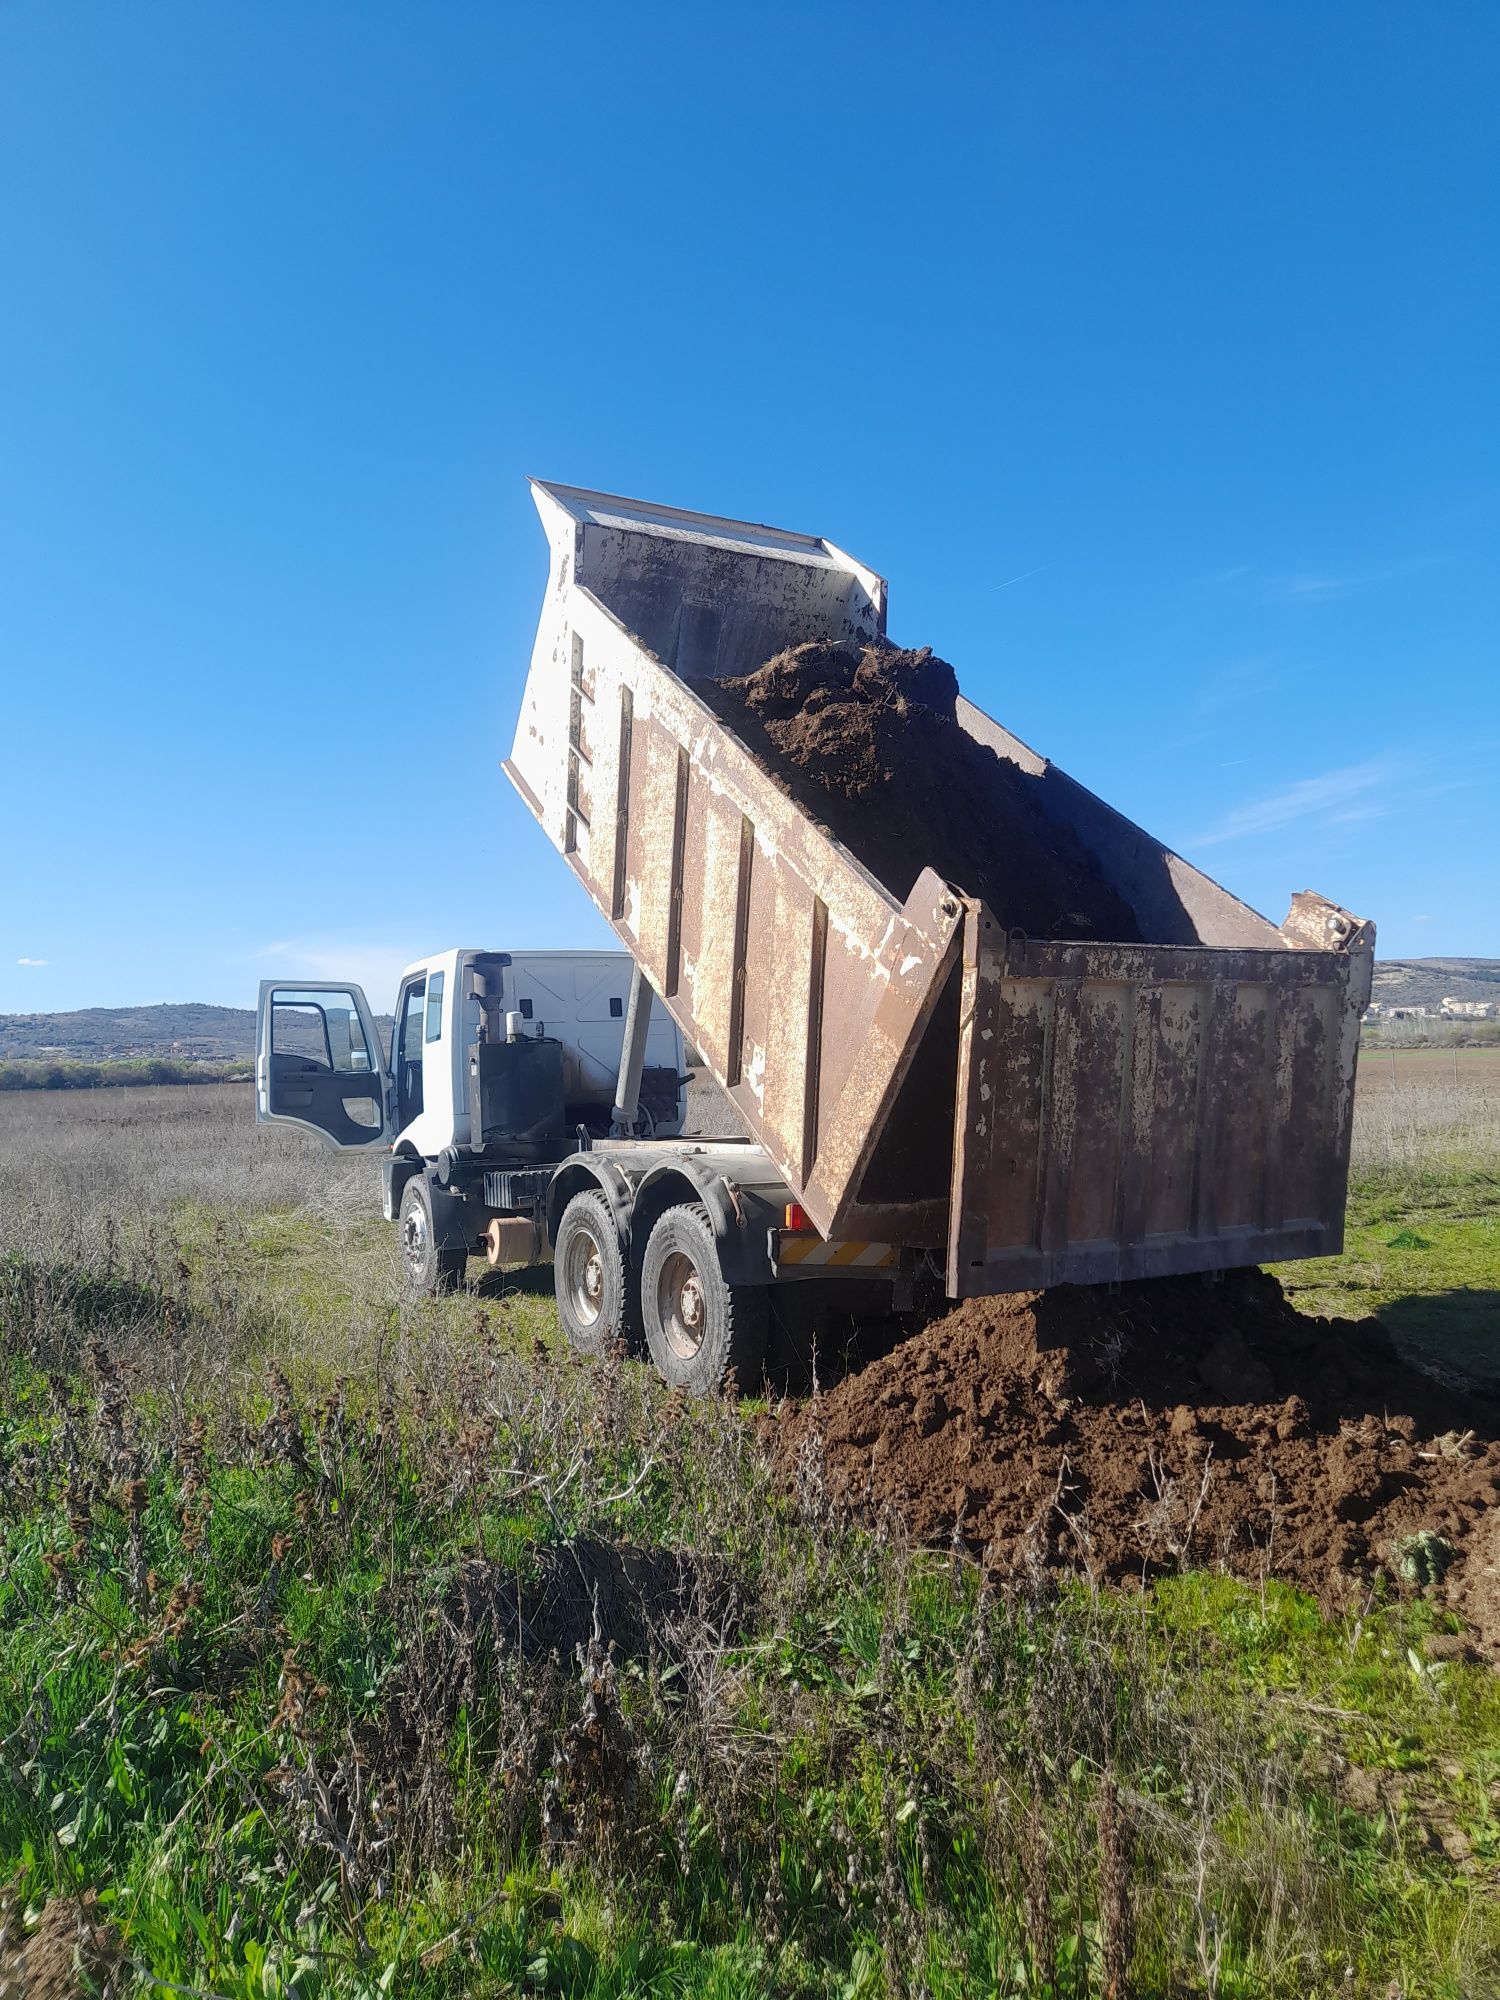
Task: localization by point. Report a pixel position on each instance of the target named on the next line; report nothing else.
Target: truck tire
(595, 1298)
(704, 1334)
(431, 1267)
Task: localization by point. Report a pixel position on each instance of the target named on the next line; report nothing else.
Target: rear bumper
(800, 1250)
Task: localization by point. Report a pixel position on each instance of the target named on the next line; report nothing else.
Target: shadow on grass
(532, 1282)
(644, 1599)
(1454, 1335)
(812, 1337)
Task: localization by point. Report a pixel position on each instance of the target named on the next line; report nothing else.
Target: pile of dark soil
(1129, 1432)
(870, 744)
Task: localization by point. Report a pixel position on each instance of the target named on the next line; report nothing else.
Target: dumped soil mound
(1130, 1432)
(870, 744)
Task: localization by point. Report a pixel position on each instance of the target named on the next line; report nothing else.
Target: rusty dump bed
(1035, 1113)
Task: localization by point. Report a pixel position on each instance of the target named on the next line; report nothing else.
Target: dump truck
(927, 1095)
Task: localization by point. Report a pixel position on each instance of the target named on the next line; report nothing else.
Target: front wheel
(703, 1333)
(430, 1266)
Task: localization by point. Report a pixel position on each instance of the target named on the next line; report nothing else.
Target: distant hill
(192, 1032)
(1423, 982)
(189, 1031)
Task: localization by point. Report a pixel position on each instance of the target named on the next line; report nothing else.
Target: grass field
(1422, 1247)
(357, 1645)
(1384, 1068)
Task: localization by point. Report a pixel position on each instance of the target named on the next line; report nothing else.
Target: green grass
(1422, 1252)
(244, 1697)
(351, 1645)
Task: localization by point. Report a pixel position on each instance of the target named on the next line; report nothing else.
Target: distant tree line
(68, 1075)
(1431, 1034)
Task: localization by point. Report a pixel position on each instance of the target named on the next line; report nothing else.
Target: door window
(320, 1031)
(411, 1025)
(434, 1006)
(408, 1028)
(407, 1062)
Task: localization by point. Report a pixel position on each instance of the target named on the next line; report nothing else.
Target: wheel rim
(583, 1278)
(414, 1239)
(681, 1305)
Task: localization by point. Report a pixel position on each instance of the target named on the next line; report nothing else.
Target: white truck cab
(322, 1061)
(530, 1105)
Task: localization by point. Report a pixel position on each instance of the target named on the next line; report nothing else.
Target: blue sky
(1149, 350)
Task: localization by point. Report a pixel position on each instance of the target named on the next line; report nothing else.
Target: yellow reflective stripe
(799, 1249)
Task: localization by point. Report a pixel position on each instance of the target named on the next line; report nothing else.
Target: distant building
(1469, 1010)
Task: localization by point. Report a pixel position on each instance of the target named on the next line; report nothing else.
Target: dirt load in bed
(869, 743)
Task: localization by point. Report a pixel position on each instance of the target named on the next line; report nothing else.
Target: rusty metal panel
(1314, 1053)
(837, 1054)
(789, 1098)
(758, 972)
(1099, 1073)
(804, 983)
(1143, 1111)
(1171, 1129)
(1004, 1049)
(1244, 1129)
(715, 835)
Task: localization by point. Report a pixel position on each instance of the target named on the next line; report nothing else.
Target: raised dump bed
(1037, 1109)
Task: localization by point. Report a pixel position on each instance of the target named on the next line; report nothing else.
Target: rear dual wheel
(595, 1298)
(703, 1333)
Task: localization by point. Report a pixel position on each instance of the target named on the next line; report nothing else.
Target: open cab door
(318, 1063)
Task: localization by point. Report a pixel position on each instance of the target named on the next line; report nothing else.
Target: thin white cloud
(375, 967)
(1315, 589)
(1242, 681)
(31, 961)
(1327, 586)
(1335, 795)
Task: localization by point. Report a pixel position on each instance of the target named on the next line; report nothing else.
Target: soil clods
(870, 744)
(1128, 1432)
